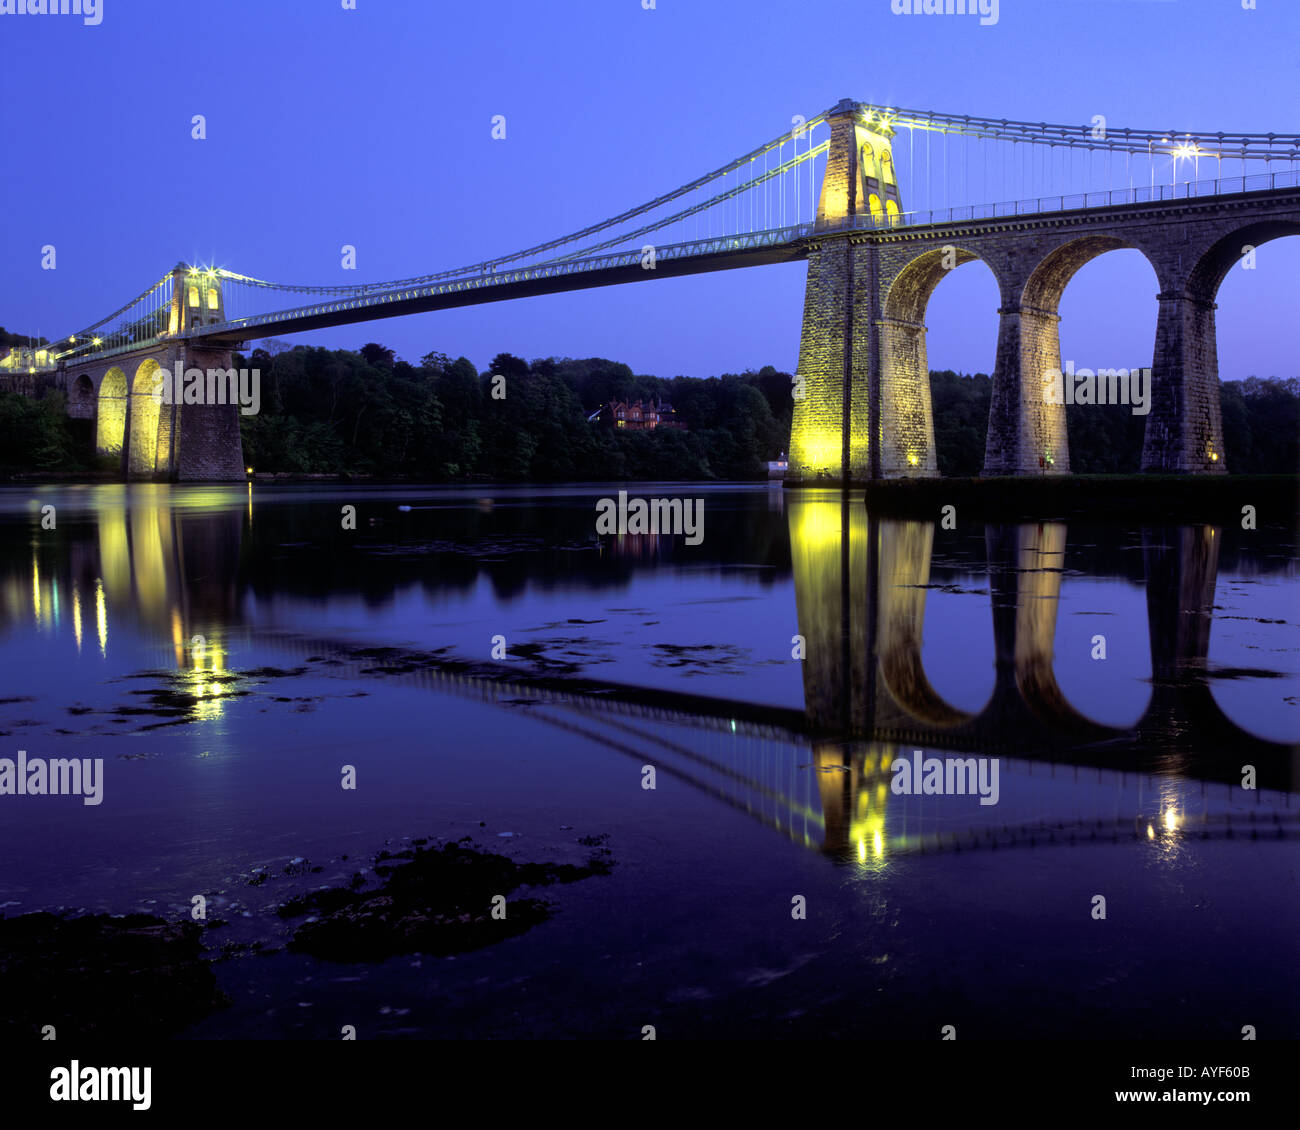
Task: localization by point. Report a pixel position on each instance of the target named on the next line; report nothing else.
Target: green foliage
(367, 412)
(36, 435)
(961, 418)
(1261, 428)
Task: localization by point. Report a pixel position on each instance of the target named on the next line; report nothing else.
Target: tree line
(367, 412)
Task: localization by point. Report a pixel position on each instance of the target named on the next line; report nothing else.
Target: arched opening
(1102, 659)
(934, 399)
(1250, 279)
(81, 398)
(146, 409)
(905, 549)
(1095, 362)
(110, 414)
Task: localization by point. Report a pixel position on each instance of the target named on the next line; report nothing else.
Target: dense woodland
(368, 413)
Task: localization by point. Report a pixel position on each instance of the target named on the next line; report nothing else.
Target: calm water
(227, 651)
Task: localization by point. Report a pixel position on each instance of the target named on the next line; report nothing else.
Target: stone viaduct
(137, 432)
(862, 356)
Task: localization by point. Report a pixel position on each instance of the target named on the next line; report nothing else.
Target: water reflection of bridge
(861, 586)
(820, 776)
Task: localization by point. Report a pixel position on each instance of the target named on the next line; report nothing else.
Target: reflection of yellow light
(817, 525)
(36, 590)
(912, 459)
(1151, 832)
(870, 830)
(1171, 820)
(101, 617)
(76, 615)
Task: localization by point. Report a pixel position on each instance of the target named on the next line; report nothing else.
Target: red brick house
(640, 415)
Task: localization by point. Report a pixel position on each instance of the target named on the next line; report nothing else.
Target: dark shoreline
(1214, 500)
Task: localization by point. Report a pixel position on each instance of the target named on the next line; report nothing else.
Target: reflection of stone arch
(146, 409)
(81, 398)
(110, 429)
(905, 549)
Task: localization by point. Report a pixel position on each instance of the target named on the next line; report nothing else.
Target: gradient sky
(372, 127)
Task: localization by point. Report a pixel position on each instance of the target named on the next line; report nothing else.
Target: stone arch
(887, 175)
(909, 293)
(1184, 431)
(1027, 426)
(1048, 280)
(81, 398)
(146, 412)
(1213, 266)
(110, 415)
(906, 411)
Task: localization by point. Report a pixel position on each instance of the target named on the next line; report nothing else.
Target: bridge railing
(1225, 186)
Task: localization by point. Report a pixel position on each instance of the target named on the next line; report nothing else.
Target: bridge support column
(1026, 434)
(830, 428)
(1184, 431)
(841, 407)
(205, 437)
(151, 434)
(906, 418)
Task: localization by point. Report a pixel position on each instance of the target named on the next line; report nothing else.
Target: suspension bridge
(1033, 201)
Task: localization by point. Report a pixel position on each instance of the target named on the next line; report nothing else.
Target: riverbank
(1217, 500)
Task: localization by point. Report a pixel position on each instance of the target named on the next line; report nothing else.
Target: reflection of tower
(172, 570)
(861, 601)
(853, 783)
(828, 550)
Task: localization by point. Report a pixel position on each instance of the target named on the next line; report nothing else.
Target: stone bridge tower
(861, 378)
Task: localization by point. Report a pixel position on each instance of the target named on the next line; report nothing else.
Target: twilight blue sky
(372, 127)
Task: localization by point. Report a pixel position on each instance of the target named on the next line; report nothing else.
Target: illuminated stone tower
(846, 393)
